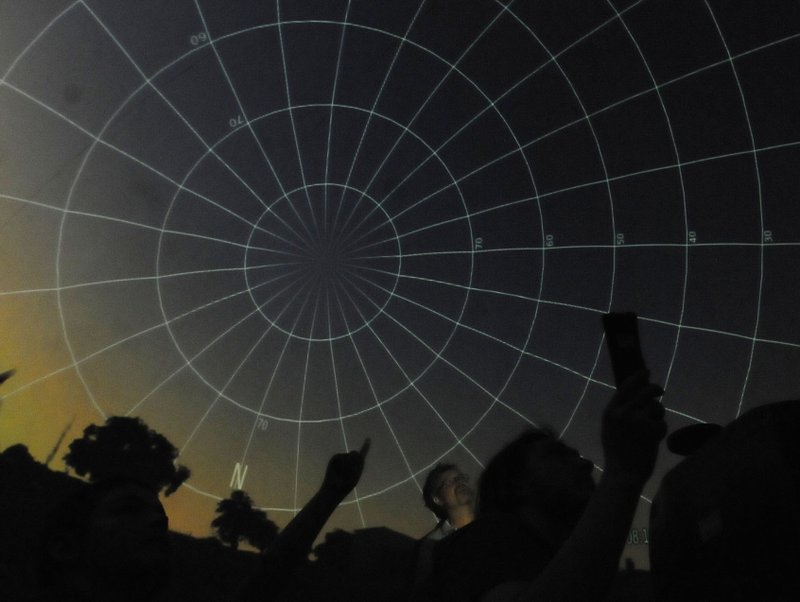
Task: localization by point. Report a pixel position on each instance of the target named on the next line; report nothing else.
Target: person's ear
(437, 501)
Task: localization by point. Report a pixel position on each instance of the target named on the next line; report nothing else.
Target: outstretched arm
(586, 564)
(294, 543)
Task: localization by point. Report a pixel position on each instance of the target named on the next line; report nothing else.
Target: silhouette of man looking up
(544, 530)
(109, 540)
(447, 494)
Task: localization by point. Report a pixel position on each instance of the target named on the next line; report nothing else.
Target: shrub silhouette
(238, 521)
(126, 448)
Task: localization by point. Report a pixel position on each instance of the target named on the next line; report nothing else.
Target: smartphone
(622, 338)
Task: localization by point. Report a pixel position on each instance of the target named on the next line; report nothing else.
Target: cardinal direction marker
(238, 476)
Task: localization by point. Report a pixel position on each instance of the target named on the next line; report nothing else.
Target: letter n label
(238, 476)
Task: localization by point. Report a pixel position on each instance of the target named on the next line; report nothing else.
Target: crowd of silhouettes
(538, 527)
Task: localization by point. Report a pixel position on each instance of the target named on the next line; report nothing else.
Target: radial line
(330, 119)
(127, 222)
(482, 333)
(213, 43)
(291, 118)
(411, 382)
(221, 392)
(93, 283)
(438, 355)
(302, 402)
(588, 116)
(400, 45)
(493, 103)
(275, 369)
(127, 155)
(148, 81)
(681, 326)
(339, 397)
(452, 67)
(135, 335)
(375, 393)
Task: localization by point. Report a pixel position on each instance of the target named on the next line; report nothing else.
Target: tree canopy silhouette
(238, 521)
(127, 448)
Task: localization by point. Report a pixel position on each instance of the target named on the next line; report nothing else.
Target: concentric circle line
(760, 210)
(370, 113)
(347, 187)
(269, 114)
(330, 115)
(188, 361)
(258, 309)
(375, 397)
(685, 223)
(491, 337)
(492, 103)
(412, 383)
(438, 355)
(592, 183)
(594, 310)
(221, 392)
(421, 108)
(37, 37)
(431, 229)
(291, 118)
(148, 82)
(682, 182)
(116, 344)
(120, 151)
(338, 393)
(602, 110)
(302, 404)
(213, 43)
(268, 388)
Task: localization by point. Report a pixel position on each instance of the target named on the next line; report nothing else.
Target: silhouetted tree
(126, 447)
(238, 521)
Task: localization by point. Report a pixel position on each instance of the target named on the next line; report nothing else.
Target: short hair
(499, 488)
(428, 491)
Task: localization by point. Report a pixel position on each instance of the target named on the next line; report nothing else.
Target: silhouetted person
(109, 541)
(447, 494)
(725, 523)
(544, 530)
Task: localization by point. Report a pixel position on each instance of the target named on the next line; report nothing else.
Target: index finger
(365, 447)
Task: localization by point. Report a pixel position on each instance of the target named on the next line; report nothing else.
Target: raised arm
(294, 543)
(586, 563)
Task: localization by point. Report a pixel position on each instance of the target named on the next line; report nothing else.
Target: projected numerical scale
(282, 229)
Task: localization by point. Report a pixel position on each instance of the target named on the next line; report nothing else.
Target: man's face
(451, 490)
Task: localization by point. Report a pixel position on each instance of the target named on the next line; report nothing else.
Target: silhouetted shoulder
(494, 549)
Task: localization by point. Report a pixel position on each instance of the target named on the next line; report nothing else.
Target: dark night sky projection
(272, 229)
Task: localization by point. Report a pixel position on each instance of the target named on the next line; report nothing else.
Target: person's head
(537, 473)
(107, 539)
(446, 491)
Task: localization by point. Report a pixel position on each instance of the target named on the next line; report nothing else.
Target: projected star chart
(273, 229)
